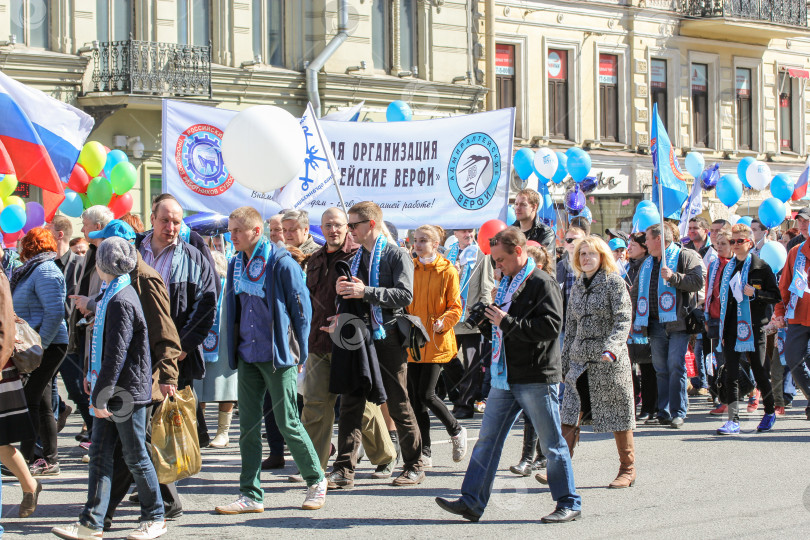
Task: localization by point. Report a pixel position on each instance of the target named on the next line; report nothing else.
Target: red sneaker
(722, 409)
(753, 402)
(780, 411)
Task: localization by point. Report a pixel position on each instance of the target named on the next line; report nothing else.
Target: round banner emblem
(642, 306)
(211, 343)
(666, 302)
(474, 171)
(256, 268)
(198, 156)
(743, 331)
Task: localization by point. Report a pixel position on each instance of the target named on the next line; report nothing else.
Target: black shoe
(524, 468)
(172, 513)
(83, 436)
(457, 507)
(643, 416)
(273, 462)
(664, 421)
(107, 524)
(539, 464)
(463, 414)
(807, 412)
(383, 471)
(5, 471)
(134, 498)
(562, 515)
(63, 416)
(338, 480)
(409, 477)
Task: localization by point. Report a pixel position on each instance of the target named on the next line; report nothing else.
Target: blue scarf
(798, 285)
(506, 288)
(185, 231)
(452, 253)
(97, 343)
(211, 343)
(666, 292)
(468, 258)
(251, 281)
(374, 281)
(745, 332)
(781, 336)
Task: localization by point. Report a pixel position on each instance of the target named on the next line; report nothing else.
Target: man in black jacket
(526, 371)
(527, 203)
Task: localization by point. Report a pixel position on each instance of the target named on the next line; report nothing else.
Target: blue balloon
(114, 158)
(782, 187)
(579, 163)
(729, 189)
(72, 205)
(775, 254)
(646, 203)
(745, 220)
(574, 200)
(589, 184)
(772, 212)
(742, 167)
(645, 219)
(710, 176)
(398, 111)
(510, 214)
(524, 163)
(12, 219)
(562, 168)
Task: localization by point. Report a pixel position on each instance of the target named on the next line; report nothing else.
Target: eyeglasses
(738, 241)
(571, 240)
(353, 226)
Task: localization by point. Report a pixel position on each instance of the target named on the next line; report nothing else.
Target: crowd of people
(377, 334)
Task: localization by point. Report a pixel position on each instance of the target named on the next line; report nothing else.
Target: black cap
(618, 233)
(803, 213)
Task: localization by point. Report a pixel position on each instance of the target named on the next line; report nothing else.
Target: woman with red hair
(38, 293)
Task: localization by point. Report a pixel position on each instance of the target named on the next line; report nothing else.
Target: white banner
(453, 172)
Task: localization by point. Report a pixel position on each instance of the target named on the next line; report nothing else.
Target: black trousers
(470, 387)
(760, 365)
(38, 392)
(422, 392)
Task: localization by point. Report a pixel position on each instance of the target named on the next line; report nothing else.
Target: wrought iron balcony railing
(788, 12)
(146, 67)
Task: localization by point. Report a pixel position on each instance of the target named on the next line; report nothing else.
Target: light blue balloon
(695, 163)
(645, 219)
(772, 212)
(742, 167)
(398, 111)
(775, 254)
(510, 215)
(524, 163)
(729, 189)
(72, 205)
(646, 203)
(114, 158)
(745, 220)
(562, 168)
(782, 187)
(579, 163)
(12, 219)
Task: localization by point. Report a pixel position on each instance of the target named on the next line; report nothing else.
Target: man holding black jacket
(526, 317)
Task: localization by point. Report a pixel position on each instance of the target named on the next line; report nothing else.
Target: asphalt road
(691, 484)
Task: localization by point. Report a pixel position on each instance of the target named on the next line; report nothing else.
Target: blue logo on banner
(199, 160)
(474, 171)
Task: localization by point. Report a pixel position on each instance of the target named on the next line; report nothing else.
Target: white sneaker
(459, 445)
(148, 530)
(242, 505)
(77, 531)
(316, 496)
(427, 462)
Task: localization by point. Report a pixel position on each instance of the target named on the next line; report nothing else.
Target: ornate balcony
(746, 21)
(151, 68)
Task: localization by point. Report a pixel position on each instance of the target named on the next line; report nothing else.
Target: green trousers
(254, 380)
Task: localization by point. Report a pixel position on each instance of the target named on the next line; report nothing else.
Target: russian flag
(43, 137)
(800, 189)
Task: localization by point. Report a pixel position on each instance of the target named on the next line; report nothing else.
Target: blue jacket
(39, 299)
(288, 301)
(125, 360)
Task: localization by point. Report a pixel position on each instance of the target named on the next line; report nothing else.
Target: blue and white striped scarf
(374, 281)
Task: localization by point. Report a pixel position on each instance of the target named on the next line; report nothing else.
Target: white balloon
(264, 148)
(545, 163)
(758, 175)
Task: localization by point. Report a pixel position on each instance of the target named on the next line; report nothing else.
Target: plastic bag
(175, 447)
(27, 348)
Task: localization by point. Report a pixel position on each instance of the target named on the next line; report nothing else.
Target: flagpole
(340, 196)
(661, 211)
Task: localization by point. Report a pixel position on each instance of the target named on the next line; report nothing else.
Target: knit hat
(116, 256)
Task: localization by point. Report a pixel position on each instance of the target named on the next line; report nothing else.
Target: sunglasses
(571, 240)
(738, 241)
(353, 226)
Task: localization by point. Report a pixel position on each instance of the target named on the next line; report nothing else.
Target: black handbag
(695, 320)
(745, 382)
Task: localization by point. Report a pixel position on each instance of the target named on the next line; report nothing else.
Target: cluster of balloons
(17, 217)
(100, 177)
(551, 166)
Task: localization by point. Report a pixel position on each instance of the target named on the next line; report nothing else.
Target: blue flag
(667, 171)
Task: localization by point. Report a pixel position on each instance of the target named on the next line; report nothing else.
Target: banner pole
(340, 196)
(661, 211)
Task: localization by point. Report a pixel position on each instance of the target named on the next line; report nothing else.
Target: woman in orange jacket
(437, 302)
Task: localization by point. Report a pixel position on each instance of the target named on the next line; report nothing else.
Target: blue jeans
(540, 403)
(668, 356)
(132, 432)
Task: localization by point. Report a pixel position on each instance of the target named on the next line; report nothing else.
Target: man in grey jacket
(667, 288)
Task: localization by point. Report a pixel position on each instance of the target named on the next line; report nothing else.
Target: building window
(194, 22)
(505, 75)
(408, 58)
(155, 188)
(658, 88)
(745, 127)
(29, 23)
(381, 35)
(268, 36)
(383, 39)
(785, 112)
(609, 97)
(113, 20)
(557, 70)
(700, 104)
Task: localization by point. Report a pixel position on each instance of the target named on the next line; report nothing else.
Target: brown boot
(627, 458)
(571, 435)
